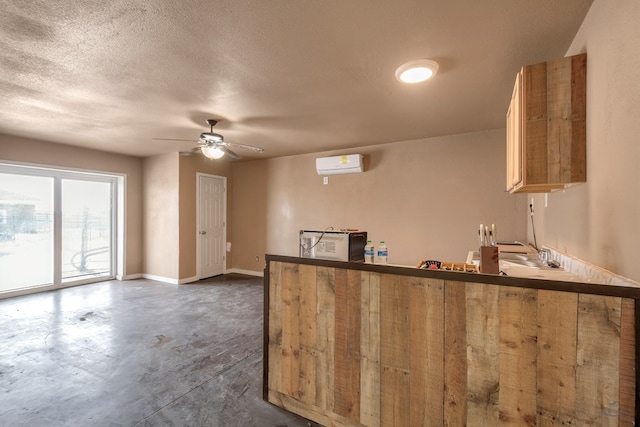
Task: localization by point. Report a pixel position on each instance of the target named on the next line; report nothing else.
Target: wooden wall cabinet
(546, 126)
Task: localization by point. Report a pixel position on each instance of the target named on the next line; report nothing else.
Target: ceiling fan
(213, 145)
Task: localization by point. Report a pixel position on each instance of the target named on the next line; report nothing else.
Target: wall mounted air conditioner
(351, 163)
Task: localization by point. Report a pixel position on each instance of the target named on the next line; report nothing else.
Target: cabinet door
(514, 137)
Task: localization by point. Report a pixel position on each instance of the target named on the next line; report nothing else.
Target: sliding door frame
(117, 218)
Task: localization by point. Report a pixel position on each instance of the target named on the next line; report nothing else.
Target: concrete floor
(137, 353)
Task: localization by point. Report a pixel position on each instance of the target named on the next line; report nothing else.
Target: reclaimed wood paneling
(483, 348)
(455, 354)
(308, 334)
(325, 279)
(426, 388)
(395, 351)
(350, 347)
(598, 361)
(518, 356)
(290, 349)
(627, 363)
(347, 344)
(556, 367)
(370, 350)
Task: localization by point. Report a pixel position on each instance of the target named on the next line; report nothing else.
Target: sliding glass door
(26, 231)
(57, 228)
(86, 229)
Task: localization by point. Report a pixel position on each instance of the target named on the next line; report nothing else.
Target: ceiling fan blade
(246, 147)
(174, 139)
(229, 152)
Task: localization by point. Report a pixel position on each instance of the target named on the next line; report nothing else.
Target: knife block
(489, 260)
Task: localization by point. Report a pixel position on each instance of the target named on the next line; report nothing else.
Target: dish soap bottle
(369, 252)
(382, 252)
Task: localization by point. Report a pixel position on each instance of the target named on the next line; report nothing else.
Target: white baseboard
(160, 279)
(188, 280)
(195, 278)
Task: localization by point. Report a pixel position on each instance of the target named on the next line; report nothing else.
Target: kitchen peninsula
(352, 344)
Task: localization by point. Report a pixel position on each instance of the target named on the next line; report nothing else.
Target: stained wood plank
(370, 350)
(455, 351)
(290, 330)
(578, 118)
(413, 335)
(427, 352)
(347, 347)
(627, 363)
(394, 390)
(557, 329)
(275, 327)
(535, 129)
(308, 306)
(395, 350)
(483, 347)
(325, 278)
(518, 334)
(597, 372)
(308, 333)
(559, 125)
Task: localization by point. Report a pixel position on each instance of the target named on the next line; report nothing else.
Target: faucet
(545, 255)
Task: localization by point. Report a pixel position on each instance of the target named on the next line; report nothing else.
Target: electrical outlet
(325, 180)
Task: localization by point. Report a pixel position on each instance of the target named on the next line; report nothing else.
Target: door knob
(203, 232)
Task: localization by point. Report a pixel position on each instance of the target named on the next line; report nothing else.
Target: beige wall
(425, 198)
(600, 221)
(248, 208)
(160, 181)
(29, 151)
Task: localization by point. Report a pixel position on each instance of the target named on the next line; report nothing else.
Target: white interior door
(211, 225)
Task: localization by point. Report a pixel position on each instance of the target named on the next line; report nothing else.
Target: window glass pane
(86, 229)
(26, 231)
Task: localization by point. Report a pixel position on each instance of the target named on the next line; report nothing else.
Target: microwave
(333, 245)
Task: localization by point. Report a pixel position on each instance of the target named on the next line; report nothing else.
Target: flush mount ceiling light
(212, 151)
(416, 71)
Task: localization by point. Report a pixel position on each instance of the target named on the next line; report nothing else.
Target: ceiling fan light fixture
(212, 151)
(416, 71)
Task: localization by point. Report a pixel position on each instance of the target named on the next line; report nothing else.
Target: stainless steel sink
(516, 259)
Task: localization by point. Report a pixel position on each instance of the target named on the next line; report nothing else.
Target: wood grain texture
(395, 350)
(483, 348)
(290, 349)
(426, 321)
(455, 351)
(370, 350)
(275, 326)
(578, 118)
(347, 344)
(552, 127)
(627, 363)
(598, 351)
(556, 365)
(308, 334)
(392, 350)
(534, 129)
(518, 356)
(325, 278)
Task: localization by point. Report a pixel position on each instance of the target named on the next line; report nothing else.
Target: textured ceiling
(292, 76)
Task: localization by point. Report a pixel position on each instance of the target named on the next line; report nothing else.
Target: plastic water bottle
(369, 251)
(382, 252)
